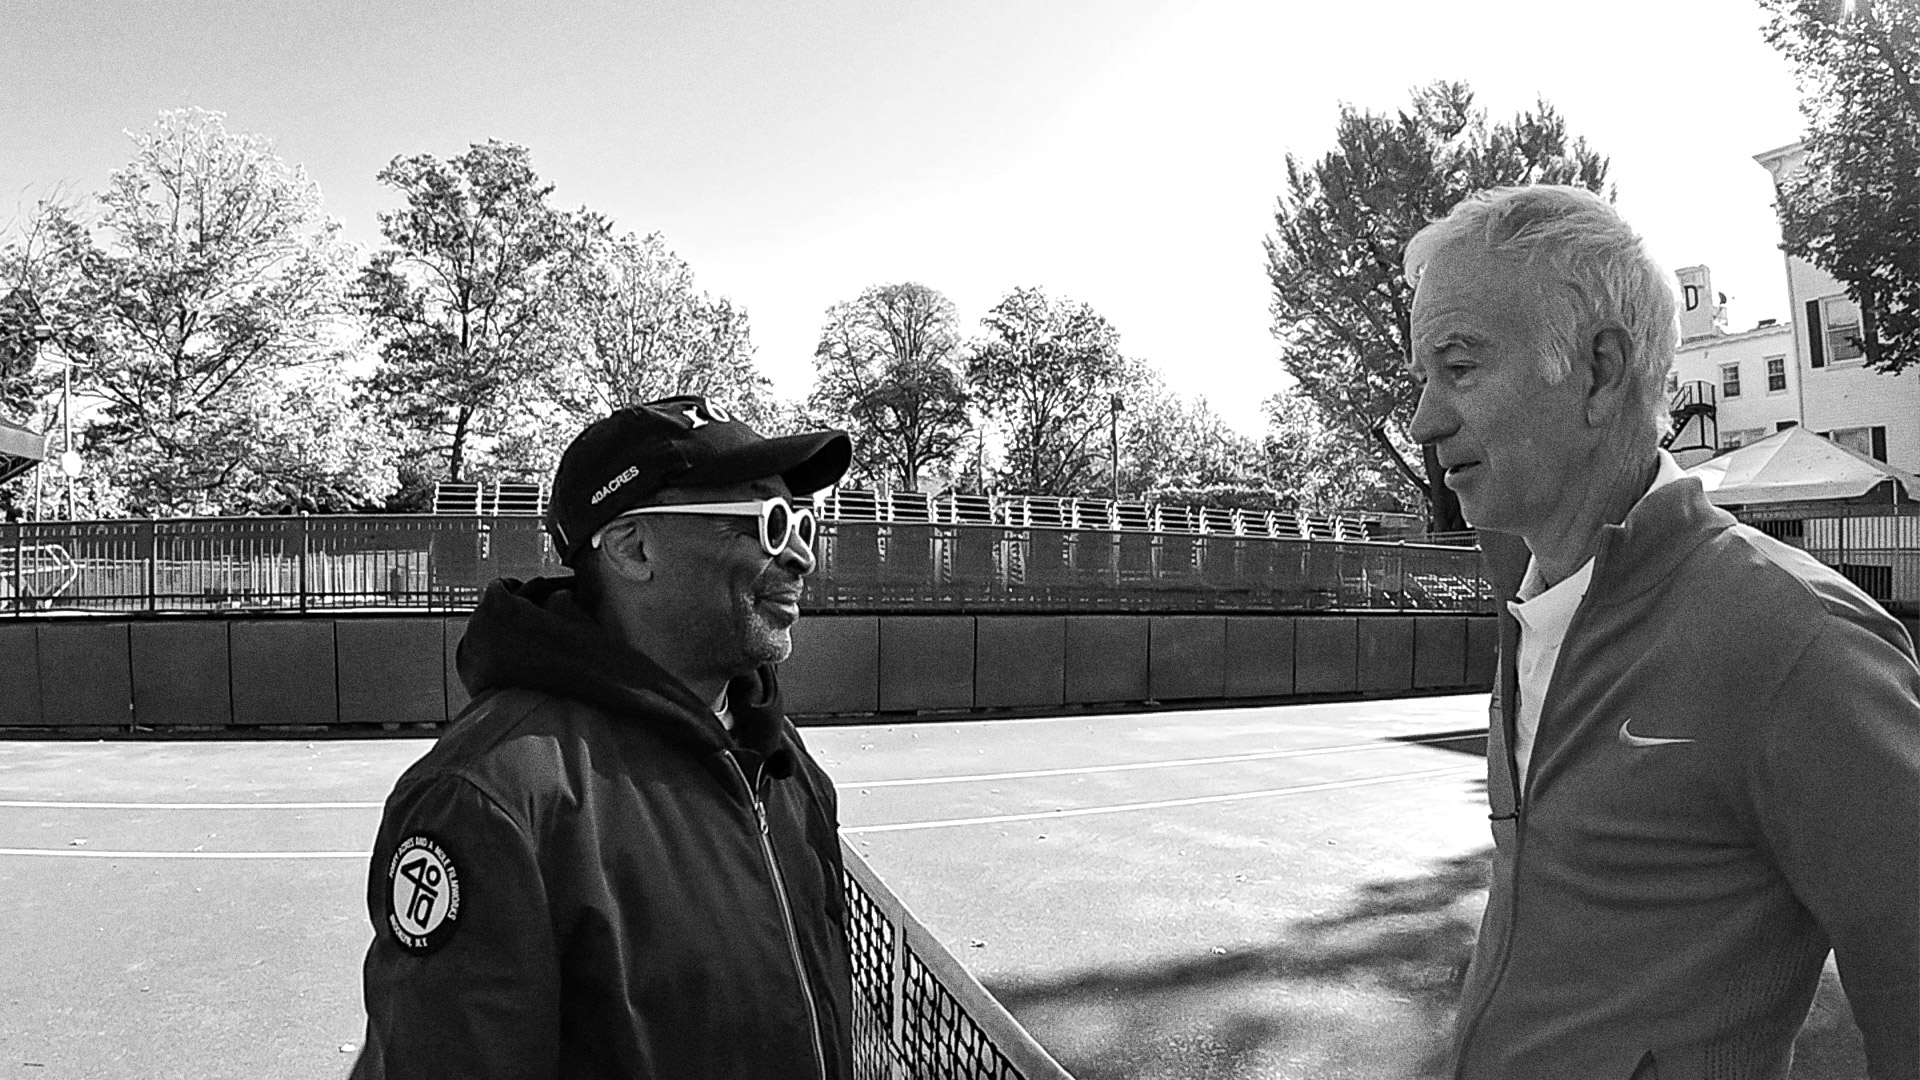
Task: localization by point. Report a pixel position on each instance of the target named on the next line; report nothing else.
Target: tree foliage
(1177, 449)
(1323, 467)
(643, 330)
(1854, 209)
(1341, 306)
(889, 370)
(460, 299)
(39, 293)
(219, 284)
(42, 306)
(1044, 371)
(627, 324)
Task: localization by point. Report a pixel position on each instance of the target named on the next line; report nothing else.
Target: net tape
(917, 1013)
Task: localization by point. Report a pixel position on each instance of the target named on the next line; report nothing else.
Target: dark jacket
(589, 877)
(1725, 785)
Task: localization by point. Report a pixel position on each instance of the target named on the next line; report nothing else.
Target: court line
(851, 830)
(974, 778)
(1162, 804)
(28, 804)
(1167, 710)
(76, 853)
(1225, 759)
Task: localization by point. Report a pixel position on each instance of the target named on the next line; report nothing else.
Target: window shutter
(1879, 443)
(1816, 336)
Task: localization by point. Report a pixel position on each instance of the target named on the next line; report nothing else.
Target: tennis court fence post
(303, 561)
(153, 553)
(19, 567)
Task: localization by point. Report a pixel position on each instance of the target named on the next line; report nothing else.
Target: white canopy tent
(1796, 466)
(20, 449)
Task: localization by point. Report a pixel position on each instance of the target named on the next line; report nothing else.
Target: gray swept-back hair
(1600, 264)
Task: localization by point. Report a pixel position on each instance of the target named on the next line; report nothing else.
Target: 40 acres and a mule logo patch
(423, 894)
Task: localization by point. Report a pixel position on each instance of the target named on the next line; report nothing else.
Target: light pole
(1115, 406)
(70, 464)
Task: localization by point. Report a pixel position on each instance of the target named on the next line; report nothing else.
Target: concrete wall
(213, 672)
(859, 664)
(399, 669)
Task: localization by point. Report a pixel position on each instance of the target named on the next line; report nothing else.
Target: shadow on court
(1367, 992)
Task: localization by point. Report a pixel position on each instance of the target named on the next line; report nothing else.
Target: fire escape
(1695, 426)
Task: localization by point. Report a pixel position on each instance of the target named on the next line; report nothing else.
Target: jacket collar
(1659, 533)
(532, 635)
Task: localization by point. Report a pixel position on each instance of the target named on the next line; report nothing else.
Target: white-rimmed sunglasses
(780, 520)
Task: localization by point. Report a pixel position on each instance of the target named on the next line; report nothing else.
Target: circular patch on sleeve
(423, 894)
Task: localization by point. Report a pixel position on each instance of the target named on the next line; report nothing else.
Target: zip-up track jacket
(589, 877)
(1725, 785)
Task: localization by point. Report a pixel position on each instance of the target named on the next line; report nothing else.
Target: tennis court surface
(1247, 893)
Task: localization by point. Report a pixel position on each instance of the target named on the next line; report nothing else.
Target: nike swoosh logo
(1630, 739)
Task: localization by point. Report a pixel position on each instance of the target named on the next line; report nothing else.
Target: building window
(1785, 424)
(1673, 383)
(1729, 380)
(1734, 440)
(1842, 321)
(1868, 441)
(1776, 374)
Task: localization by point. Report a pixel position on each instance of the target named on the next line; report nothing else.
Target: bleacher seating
(502, 499)
(852, 504)
(517, 500)
(1094, 514)
(456, 498)
(911, 506)
(1175, 519)
(958, 509)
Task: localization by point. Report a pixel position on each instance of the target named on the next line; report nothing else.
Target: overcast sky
(1122, 152)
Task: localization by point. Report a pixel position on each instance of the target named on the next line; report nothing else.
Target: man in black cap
(620, 861)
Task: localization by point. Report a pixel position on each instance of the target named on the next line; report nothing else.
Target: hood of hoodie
(532, 635)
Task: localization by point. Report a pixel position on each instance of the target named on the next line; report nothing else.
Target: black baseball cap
(621, 461)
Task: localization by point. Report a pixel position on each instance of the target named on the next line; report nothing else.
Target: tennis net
(917, 1013)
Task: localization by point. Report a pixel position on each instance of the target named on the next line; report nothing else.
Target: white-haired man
(1704, 751)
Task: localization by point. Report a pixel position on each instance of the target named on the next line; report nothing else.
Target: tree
(41, 306)
(1173, 449)
(1045, 372)
(1341, 306)
(1853, 210)
(1320, 467)
(645, 331)
(38, 294)
(461, 301)
(889, 371)
(316, 452)
(220, 280)
(628, 325)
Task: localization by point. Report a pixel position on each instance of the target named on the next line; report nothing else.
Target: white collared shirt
(1544, 615)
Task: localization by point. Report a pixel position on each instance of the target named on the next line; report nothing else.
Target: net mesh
(918, 1015)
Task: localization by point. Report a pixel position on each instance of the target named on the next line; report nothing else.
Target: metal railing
(954, 508)
(1056, 511)
(881, 566)
(442, 562)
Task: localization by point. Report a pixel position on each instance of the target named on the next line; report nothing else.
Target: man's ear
(624, 548)
(1608, 392)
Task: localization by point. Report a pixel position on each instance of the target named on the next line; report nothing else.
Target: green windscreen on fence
(917, 1013)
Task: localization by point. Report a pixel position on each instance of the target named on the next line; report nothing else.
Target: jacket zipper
(786, 916)
(1512, 721)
